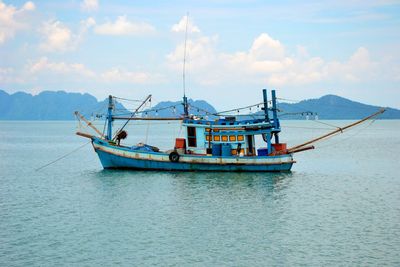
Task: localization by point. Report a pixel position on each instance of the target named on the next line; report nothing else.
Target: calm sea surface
(340, 205)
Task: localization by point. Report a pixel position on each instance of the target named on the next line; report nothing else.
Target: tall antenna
(184, 56)
(185, 104)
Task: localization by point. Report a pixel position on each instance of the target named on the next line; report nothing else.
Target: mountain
(49, 105)
(60, 105)
(168, 109)
(333, 107)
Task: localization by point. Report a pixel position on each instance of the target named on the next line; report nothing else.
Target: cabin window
(207, 129)
(240, 138)
(224, 138)
(191, 131)
(217, 138)
(232, 138)
(216, 130)
(208, 138)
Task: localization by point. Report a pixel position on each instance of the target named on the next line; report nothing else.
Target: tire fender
(174, 156)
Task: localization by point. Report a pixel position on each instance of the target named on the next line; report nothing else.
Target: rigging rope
(348, 137)
(290, 100)
(334, 126)
(62, 157)
(236, 109)
(127, 99)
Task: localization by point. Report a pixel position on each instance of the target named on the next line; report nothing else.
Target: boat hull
(114, 157)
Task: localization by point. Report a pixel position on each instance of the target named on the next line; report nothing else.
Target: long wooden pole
(290, 150)
(89, 123)
(147, 119)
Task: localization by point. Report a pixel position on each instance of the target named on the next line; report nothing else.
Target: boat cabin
(227, 136)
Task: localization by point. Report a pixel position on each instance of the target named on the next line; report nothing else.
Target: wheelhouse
(227, 136)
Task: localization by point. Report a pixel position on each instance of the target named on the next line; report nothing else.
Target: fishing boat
(226, 143)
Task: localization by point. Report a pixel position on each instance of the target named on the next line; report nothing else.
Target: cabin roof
(226, 123)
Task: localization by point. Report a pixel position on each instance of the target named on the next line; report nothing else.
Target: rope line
(348, 137)
(334, 126)
(62, 157)
(127, 99)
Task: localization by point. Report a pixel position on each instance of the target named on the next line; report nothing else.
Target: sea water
(339, 206)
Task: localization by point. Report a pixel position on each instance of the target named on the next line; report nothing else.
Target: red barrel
(279, 147)
(180, 143)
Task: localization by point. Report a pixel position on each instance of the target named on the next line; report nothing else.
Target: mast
(185, 107)
(185, 104)
(275, 116)
(109, 117)
(267, 136)
(265, 108)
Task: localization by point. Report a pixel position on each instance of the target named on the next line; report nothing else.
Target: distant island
(60, 105)
(50, 105)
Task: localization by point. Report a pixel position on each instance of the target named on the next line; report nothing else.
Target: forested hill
(60, 105)
(330, 107)
(49, 105)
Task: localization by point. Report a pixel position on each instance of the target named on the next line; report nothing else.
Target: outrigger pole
(302, 147)
(148, 119)
(88, 123)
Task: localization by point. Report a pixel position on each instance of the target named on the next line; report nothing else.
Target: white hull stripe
(163, 157)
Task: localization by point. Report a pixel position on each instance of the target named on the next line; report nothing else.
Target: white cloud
(86, 24)
(122, 26)
(90, 5)
(200, 54)
(73, 71)
(266, 55)
(358, 67)
(6, 75)
(29, 6)
(57, 37)
(267, 62)
(13, 19)
(119, 75)
(181, 26)
(291, 70)
(266, 48)
(43, 65)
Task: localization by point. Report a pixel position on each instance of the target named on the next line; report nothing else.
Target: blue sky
(234, 49)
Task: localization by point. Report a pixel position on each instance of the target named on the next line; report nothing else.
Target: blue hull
(110, 161)
(113, 157)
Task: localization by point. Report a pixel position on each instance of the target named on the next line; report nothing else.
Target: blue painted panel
(104, 143)
(226, 150)
(113, 161)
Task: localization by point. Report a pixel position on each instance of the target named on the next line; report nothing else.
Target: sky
(303, 49)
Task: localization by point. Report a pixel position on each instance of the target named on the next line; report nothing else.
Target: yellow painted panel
(217, 138)
(224, 138)
(232, 138)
